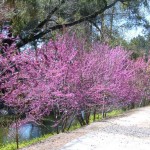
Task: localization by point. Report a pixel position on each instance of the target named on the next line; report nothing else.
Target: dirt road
(128, 132)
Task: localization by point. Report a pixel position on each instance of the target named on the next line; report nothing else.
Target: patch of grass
(12, 146)
(111, 114)
(115, 113)
(98, 117)
(75, 126)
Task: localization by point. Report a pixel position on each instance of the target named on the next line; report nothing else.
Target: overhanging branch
(41, 24)
(33, 37)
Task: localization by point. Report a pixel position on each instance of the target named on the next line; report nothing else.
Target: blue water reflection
(29, 131)
(26, 132)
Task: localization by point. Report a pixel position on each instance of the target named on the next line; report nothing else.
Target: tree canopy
(33, 19)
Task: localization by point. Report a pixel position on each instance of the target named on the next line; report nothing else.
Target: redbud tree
(62, 77)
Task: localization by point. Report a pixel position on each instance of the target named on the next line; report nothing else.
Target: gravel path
(128, 132)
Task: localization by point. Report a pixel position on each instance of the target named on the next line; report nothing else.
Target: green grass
(12, 146)
(74, 127)
(115, 113)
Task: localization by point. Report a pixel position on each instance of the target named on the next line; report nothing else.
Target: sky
(129, 34)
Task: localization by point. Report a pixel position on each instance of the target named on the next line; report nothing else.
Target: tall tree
(66, 13)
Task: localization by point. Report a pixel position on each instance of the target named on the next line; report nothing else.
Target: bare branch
(97, 27)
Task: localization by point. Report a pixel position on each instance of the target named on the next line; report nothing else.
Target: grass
(115, 113)
(74, 127)
(12, 146)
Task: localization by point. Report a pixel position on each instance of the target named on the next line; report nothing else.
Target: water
(27, 131)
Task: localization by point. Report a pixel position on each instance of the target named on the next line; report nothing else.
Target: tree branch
(33, 37)
(41, 24)
(96, 26)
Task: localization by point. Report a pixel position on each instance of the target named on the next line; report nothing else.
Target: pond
(27, 131)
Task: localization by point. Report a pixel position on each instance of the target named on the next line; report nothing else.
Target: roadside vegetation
(12, 146)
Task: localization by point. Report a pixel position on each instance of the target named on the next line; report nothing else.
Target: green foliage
(118, 41)
(28, 13)
(135, 55)
(138, 43)
(89, 6)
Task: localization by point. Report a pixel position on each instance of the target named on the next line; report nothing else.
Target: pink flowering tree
(142, 81)
(112, 76)
(37, 83)
(64, 79)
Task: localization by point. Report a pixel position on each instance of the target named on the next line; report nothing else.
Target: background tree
(64, 14)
